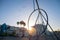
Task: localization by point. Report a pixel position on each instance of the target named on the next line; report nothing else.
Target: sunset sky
(12, 11)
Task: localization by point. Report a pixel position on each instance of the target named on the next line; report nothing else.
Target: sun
(32, 31)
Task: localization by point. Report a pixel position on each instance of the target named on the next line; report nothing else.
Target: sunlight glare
(32, 31)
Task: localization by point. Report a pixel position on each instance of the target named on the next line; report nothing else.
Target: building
(12, 30)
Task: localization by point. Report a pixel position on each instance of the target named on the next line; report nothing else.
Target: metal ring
(42, 16)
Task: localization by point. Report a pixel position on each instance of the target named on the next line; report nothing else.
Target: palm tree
(18, 23)
(22, 23)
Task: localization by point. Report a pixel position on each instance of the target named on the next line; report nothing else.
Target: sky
(12, 11)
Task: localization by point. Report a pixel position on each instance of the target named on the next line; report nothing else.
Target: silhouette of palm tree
(21, 22)
(17, 23)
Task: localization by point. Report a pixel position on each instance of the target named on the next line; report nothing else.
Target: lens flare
(32, 31)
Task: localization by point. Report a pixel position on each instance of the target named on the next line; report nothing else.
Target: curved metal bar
(46, 15)
(49, 24)
(44, 19)
(42, 16)
(29, 18)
